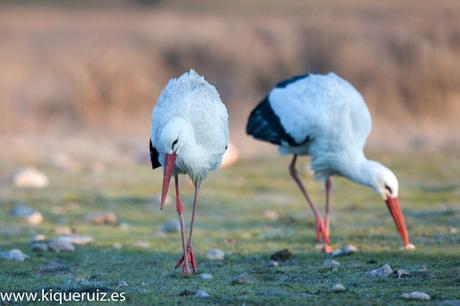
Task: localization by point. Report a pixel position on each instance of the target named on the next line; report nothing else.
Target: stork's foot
(327, 249)
(322, 234)
(321, 230)
(190, 258)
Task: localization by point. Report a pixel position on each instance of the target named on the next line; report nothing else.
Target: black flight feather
(264, 124)
(154, 157)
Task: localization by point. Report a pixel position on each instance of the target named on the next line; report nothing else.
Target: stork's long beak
(396, 213)
(170, 160)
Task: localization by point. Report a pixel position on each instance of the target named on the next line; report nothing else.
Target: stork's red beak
(396, 213)
(170, 160)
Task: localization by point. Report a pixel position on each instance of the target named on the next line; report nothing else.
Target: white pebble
(58, 245)
(34, 219)
(383, 271)
(122, 284)
(76, 239)
(14, 254)
(346, 250)
(201, 294)
(402, 273)
(416, 295)
(338, 288)
(215, 254)
(30, 178)
(206, 276)
(270, 214)
(409, 247)
(39, 237)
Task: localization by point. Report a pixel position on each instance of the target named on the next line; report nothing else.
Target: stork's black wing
(154, 157)
(264, 124)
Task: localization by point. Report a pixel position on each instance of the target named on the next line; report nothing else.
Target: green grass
(229, 218)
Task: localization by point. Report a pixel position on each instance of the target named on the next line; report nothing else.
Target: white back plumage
(331, 112)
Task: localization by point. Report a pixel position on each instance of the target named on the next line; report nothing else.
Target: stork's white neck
(362, 170)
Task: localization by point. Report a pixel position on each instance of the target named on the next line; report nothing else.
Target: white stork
(189, 135)
(325, 117)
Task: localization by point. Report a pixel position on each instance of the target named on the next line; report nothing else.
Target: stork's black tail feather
(264, 124)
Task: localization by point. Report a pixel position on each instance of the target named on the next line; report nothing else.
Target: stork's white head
(174, 136)
(383, 180)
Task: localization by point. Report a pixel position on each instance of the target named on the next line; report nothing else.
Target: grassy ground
(229, 218)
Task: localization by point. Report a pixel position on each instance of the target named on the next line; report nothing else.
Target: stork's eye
(226, 147)
(389, 189)
(174, 143)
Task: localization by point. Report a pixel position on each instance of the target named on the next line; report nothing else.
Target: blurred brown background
(73, 70)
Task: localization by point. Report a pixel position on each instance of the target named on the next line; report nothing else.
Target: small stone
(416, 295)
(39, 237)
(350, 249)
(39, 247)
(453, 230)
(383, 271)
(206, 276)
(34, 219)
(331, 264)
(117, 246)
(450, 303)
(30, 215)
(76, 239)
(63, 230)
(402, 273)
(14, 254)
(409, 247)
(215, 254)
(170, 226)
(346, 250)
(142, 244)
(270, 214)
(201, 294)
(30, 178)
(274, 263)
(243, 278)
(122, 284)
(338, 288)
(282, 255)
(58, 245)
(102, 218)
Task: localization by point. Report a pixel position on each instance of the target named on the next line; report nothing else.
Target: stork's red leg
(320, 228)
(180, 211)
(327, 218)
(189, 243)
